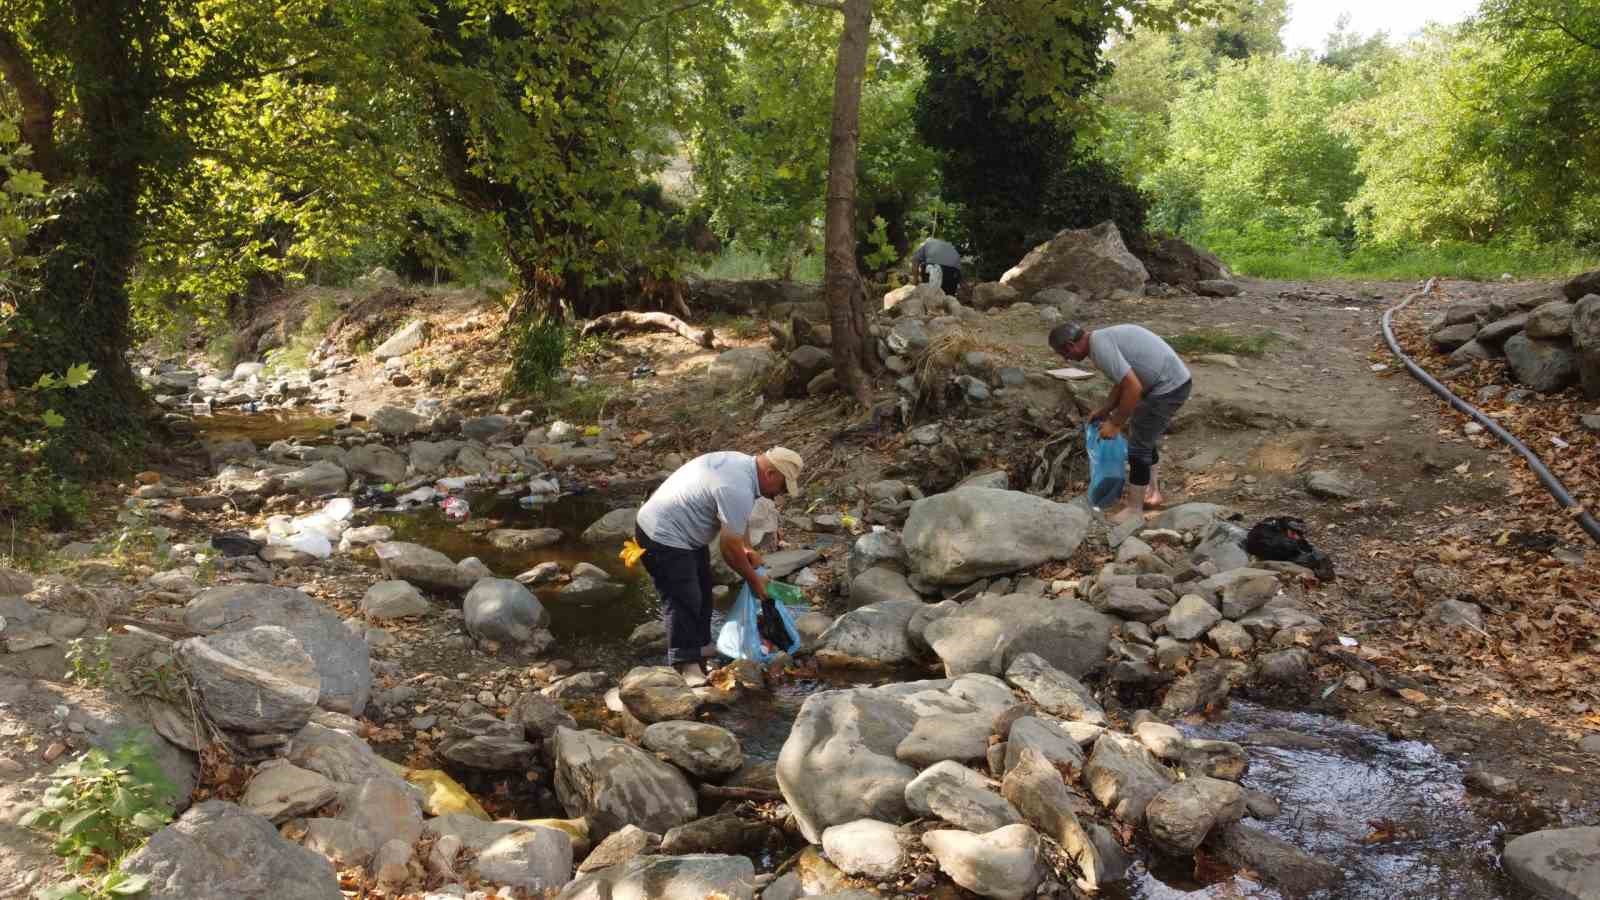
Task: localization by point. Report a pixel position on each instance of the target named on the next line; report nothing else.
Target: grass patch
(296, 354)
(738, 264)
(1212, 340)
(742, 327)
(1286, 257)
(581, 405)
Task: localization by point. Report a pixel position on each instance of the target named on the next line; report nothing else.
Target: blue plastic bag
(1108, 466)
(741, 639)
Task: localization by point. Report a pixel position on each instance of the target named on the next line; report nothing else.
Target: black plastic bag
(233, 543)
(1283, 539)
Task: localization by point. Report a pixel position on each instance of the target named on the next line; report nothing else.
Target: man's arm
(1127, 395)
(743, 559)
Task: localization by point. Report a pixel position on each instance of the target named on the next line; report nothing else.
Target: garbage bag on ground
(1108, 466)
(1282, 538)
(742, 636)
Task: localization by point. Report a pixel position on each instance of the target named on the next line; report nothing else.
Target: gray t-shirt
(694, 503)
(1119, 348)
(937, 252)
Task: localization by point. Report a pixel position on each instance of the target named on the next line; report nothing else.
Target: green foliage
(538, 347)
(1213, 340)
(108, 886)
(90, 660)
(1411, 262)
(102, 806)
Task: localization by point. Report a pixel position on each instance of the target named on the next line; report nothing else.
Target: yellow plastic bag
(631, 553)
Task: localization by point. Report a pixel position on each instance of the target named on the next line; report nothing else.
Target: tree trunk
(854, 356)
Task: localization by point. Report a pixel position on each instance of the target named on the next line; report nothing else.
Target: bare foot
(692, 674)
(1125, 514)
(1154, 499)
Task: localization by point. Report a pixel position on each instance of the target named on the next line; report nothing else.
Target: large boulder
(376, 461)
(613, 783)
(1093, 262)
(502, 610)
(1124, 777)
(870, 636)
(1003, 864)
(316, 480)
(692, 877)
(407, 339)
(1545, 366)
(1181, 816)
(866, 848)
(657, 694)
(839, 764)
(956, 794)
(424, 567)
(1586, 340)
(259, 680)
(739, 370)
(879, 584)
(993, 294)
(285, 791)
(1053, 690)
(340, 655)
(964, 535)
(705, 751)
(987, 634)
(1559, 864)
(1549, 322)
(614, 527)
(218, 850)
(1177, 262)
(881, 549)
(803, 365)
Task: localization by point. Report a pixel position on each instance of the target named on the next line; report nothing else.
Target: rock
(1230, 639)
(1450, 337)
(1181, 816)
(1497, 332)
(866, 848)
(1544, 366)
(960, 536)
(534, 857)
(1092, 262)
(1280, 863)
(1586, 341)
(876, 549)
(909, 337)
(500, 748)
(838, 763)
(614, 527)
(1034, 787)
(1130, 602)
(879, 584)
(960, 796)
(740, 369)
(1055, 691)
(987, 634)
(341, 843)
(802, 366)
(285, 791)
(1124, 777)
(1002, 863)
(524, 538)
(956, 736)
(376, 461)
(394, 421)
(1191, 617)
(913, 299)
(568, 456)
(620, 847)
(543, 573)
(486, 429)
(1486, 782)
(427, 569)
(1330, 485)
(361, 537)
(316, 480)
(1287, 667)
(826, 382)
(657, 694)
(1240, 592)
(705, 751)
(386, 808)
(1459, 613)
(428, 457)
(540, 716)
(1550, 321)
(693, 877)
(993, 295)
(589, 589)
(260, 680)
(394, 600)
(1206, 687)
(870, 637)
(1473, 351)
(391, 863)
(612, 783)
(1061, 300)
(1046, 738)
(994, 479)
(1559, 863)
(217, 850)
(1217, 287)
(721, 833)
(502, 610)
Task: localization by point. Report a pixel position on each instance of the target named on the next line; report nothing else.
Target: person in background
(938, 263)
(1148, 385)
(708, 499)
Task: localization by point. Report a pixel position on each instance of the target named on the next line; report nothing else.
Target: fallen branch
(1393, 684)
(719, 792)
(163, 629)
(650, 321)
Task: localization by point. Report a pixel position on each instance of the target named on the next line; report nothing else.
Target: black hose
(1550, 481)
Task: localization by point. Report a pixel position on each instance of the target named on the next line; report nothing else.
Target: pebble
(54, 751)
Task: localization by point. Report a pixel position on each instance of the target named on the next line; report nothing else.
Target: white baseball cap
(789, 463)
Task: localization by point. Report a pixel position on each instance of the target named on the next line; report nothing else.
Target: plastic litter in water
(1348, 641)
(456, 509)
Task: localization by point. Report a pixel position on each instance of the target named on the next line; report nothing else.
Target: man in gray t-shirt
(1149, 384)
(938, 262)
(708, 499)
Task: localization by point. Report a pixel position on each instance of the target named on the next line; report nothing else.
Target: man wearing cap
(1149, 384)
(708, 499)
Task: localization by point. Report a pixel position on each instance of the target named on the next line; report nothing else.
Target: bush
(538, 348)
(103, 806)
